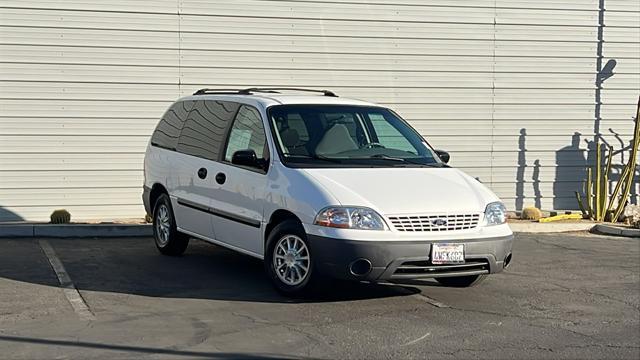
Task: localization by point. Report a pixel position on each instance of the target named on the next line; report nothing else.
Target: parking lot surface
(565, 296)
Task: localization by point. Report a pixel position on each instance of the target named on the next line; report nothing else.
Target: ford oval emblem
(439, 222)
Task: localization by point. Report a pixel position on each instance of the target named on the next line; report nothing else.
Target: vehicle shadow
(134, 266)
(7, 215)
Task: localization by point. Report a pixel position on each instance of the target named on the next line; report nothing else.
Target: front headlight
(350, 218)
(495, 214)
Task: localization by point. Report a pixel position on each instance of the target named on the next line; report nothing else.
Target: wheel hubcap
(163, 225)
(291, 260)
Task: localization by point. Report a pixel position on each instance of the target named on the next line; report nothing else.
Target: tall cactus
(630, 168)
(598, 189)
(598, 205)
(605, 183)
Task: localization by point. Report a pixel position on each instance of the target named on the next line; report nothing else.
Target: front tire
(288, 260)
(167, 238)
(461, 281)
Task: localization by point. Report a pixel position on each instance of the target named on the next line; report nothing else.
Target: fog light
(360, 267)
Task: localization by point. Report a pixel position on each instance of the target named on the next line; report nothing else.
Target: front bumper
(404, 260)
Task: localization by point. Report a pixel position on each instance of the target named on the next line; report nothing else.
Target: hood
(395, 191)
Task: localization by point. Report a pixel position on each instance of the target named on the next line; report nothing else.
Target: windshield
(339, 135)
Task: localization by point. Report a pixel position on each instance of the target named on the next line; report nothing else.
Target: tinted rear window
(204, 128)
(168, 130)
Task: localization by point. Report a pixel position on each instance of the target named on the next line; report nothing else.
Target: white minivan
(318, 185)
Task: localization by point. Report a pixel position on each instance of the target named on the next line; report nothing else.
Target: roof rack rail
(250, 91)
(218, 91)
(275, 89)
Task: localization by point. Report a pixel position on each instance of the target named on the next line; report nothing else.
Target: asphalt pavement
(574, 296)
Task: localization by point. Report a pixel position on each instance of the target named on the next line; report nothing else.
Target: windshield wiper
(398, 159)
(315, 157)
(387, 157)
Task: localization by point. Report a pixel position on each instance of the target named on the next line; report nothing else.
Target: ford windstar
(318, 185)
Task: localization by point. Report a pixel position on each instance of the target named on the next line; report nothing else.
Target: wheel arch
(156, 190)
(276, 218)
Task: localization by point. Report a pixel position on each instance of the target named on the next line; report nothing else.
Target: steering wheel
(373, 145)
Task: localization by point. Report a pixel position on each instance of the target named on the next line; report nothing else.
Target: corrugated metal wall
(508, 86)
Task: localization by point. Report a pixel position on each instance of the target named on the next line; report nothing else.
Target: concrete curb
(616, 230)
(74, 230)
(551, 227)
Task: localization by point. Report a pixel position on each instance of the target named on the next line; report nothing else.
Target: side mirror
(443, 155)
(247, 158)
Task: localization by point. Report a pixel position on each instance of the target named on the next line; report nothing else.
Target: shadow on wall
(9, 216)
(520, 174)
(536, 183)
(522, 166)
(570, 165)
(570, 168)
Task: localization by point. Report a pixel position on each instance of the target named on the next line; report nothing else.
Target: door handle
(221, 178)
(202, 173)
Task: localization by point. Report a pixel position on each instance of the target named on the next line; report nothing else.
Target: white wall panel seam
(493, 90)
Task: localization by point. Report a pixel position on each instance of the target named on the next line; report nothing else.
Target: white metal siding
(503, 85)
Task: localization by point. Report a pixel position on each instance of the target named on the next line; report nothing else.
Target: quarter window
(204, 128)
(168, 130)
(246, 133)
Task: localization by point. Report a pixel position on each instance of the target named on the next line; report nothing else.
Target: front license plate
(447, 254)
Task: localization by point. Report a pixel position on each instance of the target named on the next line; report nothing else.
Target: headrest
(336, 140)
(290, 137)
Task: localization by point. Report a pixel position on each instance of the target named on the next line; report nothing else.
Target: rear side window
(168, 130)
(204, 129)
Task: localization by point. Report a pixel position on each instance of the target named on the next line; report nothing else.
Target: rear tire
(167, 238)
(288, 260)
(461, 281)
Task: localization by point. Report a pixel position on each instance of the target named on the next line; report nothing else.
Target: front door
(238, 203)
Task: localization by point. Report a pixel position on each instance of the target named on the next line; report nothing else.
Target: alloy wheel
(163, 225)
(291, 260)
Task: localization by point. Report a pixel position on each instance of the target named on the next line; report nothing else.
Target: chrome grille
(435, 222)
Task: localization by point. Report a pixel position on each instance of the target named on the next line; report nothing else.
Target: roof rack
(217, 91)
(250, 91)
(275, 89)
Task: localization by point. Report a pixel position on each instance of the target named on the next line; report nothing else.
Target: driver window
(247, 132)
(389, 136)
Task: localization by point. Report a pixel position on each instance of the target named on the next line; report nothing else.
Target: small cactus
(60, 216)
(531, 213)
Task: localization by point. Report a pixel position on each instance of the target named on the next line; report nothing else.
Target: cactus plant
(630, 169)
(598, 205)
(60, 216)
(531, 213)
